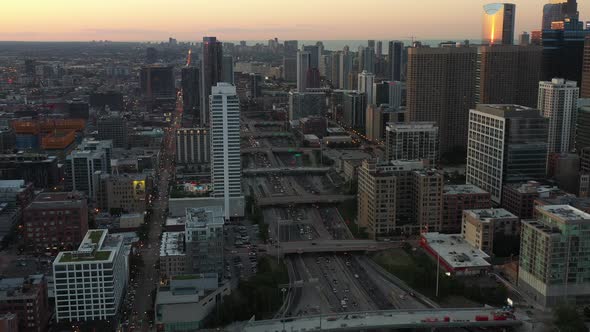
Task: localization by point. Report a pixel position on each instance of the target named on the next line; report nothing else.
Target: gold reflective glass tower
(498, 23)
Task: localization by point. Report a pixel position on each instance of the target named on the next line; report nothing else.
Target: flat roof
(176, 221)
(486, 215)
(455, 189)
(204, 216)
(97, 245)
(564, 212)
(172, 244)
(455, 251)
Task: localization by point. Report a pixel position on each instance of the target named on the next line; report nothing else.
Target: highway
(420, 318)
(331, 246)
(285, 171)
(307, 199)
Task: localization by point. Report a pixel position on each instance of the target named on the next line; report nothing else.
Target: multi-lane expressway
(330, 246)
(419, 318)
(307, 199)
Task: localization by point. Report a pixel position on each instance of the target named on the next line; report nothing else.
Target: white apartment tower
(90, 281)
(225, 143)
(412, 141)
(558, 101)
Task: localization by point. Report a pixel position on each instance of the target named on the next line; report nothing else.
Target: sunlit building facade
(498, 23)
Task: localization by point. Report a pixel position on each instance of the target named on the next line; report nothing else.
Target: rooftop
(564, 212)
(455, 251)
(72, 199)
(97, 245)
(486, 215)
(172, 244)
(203, 217)
(532, 187)
(509, 110)
(457, 189)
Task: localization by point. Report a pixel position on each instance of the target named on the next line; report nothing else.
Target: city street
(147, 277)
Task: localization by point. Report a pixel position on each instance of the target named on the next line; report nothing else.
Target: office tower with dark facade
(40, 169)
(559, 11)
(563, 52)
(303, 68)
(113, 127)
(211, 73)
(191, 91)
(254, 85)
(304, 104)
(157, 83)
(368, 60)
(524, 39)
(227, 69)
(291, 47)
(507, 143)
(583, 128)
(314, 55)
(395, 59)
(508, 74)
(151, 55)
(498, 24)
(335, 70)
(354, 109)
(586, 69)
(346, 63)
(290, 69)
(440, 87)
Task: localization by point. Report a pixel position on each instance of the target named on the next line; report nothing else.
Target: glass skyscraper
(498, 23)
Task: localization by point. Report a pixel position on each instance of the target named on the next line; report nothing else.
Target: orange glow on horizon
(233, 20)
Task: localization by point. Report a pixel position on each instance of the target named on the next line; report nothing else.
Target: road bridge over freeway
(299, 200)
(392, 319)
(285, 171)
(301, 247)
(278, 149)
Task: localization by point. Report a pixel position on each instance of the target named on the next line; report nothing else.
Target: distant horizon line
(231, 40)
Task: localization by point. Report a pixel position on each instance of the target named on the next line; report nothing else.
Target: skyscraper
(303, 67)
(346, 64)
(509, 74)
(524, 39)
(365, 85)
(394, 59)
(157, 82)
(314, 55)
(335, 73)
(290, 69)
(563, 52)
(225, 144)
(368, 59)
(507, 143)
(193, 146)
(559, 11)
(113, 127)
(291, 47)
(191, 92)
(441, 88)
(498, 23)
(354, 109)
(211, 73)
(227, 69)
(586, 69)
(558, 101)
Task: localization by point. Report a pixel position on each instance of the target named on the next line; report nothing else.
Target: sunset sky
(143, 20)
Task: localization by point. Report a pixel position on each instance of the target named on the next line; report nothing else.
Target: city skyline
(140, 21)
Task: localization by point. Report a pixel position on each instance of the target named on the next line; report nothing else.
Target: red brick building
(27, 298)
(56, 221)
(457, 198)
(519, 198)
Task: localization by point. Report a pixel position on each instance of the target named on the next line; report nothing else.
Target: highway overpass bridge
(285, 171)
(302, 247)
(278, 149)
(300, 200)
(392, 319)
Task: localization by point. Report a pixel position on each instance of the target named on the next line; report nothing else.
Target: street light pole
(437, 272)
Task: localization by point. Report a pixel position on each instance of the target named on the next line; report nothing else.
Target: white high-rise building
(303, 65)
(90, 281)
(225, 144)
(558, 101)
(365, 85)
(412, 141)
